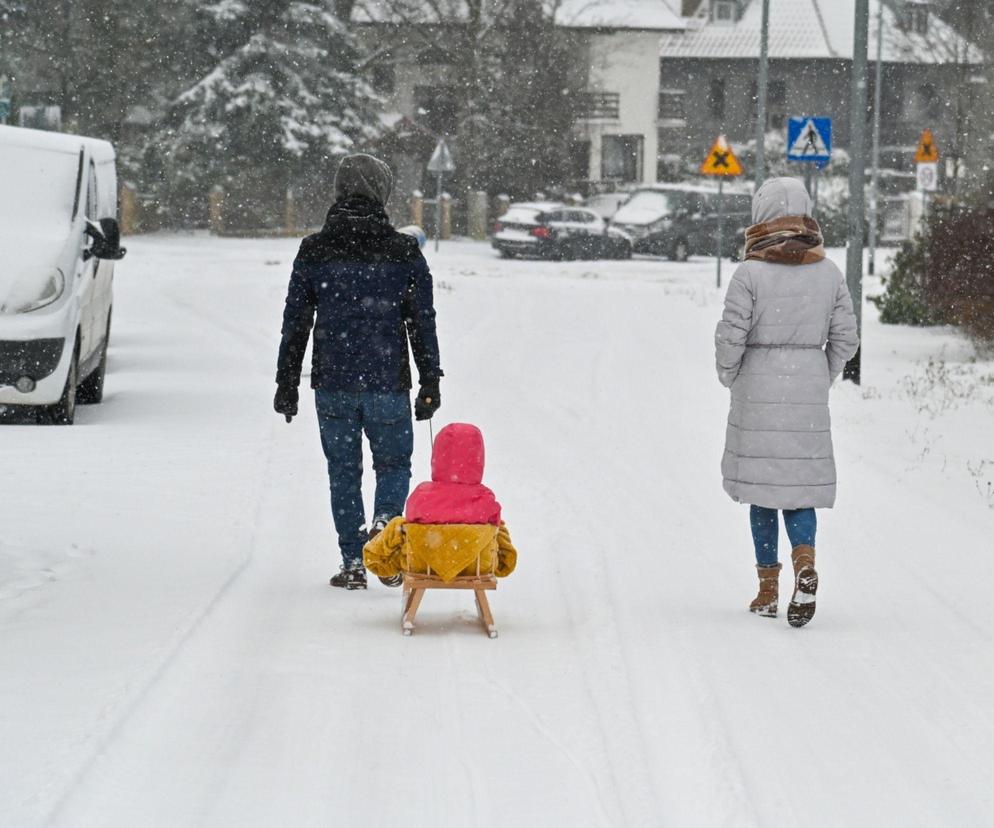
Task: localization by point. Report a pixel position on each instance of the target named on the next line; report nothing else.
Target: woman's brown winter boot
(802, 604)
(765, 603)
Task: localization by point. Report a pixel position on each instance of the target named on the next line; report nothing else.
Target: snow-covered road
(171, 654)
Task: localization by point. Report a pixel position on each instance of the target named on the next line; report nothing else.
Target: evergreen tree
(526, 111)
(281, 103)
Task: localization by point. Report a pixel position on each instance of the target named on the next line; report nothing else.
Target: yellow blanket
(448, 550)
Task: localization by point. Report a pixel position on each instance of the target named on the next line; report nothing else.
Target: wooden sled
(415, 585)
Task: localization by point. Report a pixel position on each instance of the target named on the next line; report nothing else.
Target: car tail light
(498, 227)
(541, 233)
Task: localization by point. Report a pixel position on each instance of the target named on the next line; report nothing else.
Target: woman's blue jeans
(801, 527)
(385, 418)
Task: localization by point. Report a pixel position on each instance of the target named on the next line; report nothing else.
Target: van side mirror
(106, 240)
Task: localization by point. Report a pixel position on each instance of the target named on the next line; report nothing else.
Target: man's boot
(352, 576)
(802, 604)
(765, 603)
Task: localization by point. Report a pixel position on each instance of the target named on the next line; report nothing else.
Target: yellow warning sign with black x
(721, 160)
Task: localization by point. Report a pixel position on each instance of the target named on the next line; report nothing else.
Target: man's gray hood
(779, 197)
(364, 176)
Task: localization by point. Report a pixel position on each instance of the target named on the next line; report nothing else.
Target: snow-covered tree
(514, 78)
(286, 98)
(529, 103)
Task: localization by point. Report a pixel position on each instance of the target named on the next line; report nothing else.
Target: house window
(916, 18)
(923, 104)
(672, 104)
(385, 78)
(776, 104)
(435, 107)
(435, 56)
(716, 98)
(724, 11)
(621, 157)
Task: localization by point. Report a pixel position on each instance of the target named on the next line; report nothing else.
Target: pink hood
(456, 493)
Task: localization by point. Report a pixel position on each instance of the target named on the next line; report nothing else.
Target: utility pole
(875, 184)
(761, 92)
(857, 174)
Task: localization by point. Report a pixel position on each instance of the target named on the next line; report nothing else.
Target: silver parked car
(558, 231)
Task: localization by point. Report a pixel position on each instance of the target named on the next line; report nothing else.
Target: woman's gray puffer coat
(786, 334)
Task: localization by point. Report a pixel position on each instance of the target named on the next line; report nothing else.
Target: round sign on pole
(928, 177)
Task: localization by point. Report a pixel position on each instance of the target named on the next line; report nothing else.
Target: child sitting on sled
(451, 523)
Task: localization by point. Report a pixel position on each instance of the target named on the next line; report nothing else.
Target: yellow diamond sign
(721, 160)
(928, 150)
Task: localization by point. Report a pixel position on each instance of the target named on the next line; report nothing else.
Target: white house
(617, 141)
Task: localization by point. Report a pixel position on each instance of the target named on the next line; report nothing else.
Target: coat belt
(784, 347)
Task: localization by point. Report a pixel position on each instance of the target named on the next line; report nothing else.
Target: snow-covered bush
(903, 300)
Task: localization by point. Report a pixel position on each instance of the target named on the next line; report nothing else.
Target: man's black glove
(285, 401)
(428, 400)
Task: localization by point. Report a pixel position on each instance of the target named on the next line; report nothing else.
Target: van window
(92, 200)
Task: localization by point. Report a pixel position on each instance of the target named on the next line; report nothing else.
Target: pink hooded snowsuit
(456, 493)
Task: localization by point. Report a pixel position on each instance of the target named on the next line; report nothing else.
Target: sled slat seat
(417, 583)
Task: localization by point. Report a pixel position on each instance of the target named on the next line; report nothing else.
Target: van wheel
(91, 390)
(64, 411)
(680, 251)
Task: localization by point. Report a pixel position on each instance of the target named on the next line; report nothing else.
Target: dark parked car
(678, 222)
(556, 231)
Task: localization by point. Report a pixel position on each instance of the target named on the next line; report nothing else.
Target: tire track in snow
(147, 686)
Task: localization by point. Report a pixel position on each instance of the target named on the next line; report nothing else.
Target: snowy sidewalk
(170, 653)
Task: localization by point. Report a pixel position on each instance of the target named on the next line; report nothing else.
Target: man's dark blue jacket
(371, 289)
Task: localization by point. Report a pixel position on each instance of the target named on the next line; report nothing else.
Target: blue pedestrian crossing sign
(810, 139)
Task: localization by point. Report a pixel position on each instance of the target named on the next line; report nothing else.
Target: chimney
(688, 8)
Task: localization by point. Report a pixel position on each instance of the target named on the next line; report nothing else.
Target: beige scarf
(792, 240)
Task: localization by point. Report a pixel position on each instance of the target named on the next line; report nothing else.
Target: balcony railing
(600, 106)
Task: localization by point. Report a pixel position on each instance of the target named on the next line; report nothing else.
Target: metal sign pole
(721, 224)
(761, 94)
(438, 213)
(857, 176)
(875, 176)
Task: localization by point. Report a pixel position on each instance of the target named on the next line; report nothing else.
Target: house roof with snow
(642, 15)
(818, 29)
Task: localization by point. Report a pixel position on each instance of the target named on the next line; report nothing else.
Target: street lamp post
(761, 93)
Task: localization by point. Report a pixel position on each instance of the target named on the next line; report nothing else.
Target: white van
(60, 237)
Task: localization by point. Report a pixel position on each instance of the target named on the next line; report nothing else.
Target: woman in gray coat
(787, 332)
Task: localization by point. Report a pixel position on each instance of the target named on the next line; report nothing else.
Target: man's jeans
(343, 416)
(801, 527)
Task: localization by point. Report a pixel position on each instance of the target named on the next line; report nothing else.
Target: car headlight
(31, 294)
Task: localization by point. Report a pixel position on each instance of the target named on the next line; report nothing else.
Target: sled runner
(416, 583)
